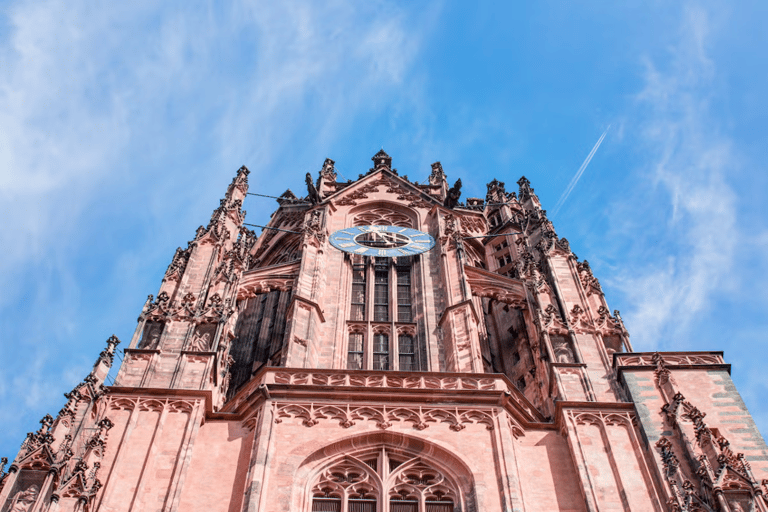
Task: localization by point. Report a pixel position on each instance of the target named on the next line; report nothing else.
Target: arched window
(381, 303)
(382, 480)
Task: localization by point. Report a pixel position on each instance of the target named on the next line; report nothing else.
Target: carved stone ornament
(163, 310)
(717, 467)
(314, 233)
(451, 238)
(178, 265)
(496, 192)
(525, 188)
(437, 177)
(314, 195)
(419, 417)
(328, 171)
(454, 193)
(588, 281)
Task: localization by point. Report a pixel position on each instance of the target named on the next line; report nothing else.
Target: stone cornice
(497, 286)
(600, 408)
(458, 305)
(308, 304)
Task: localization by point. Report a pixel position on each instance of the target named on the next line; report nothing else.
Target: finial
(382, 159)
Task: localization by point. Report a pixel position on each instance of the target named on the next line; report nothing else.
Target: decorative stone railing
(396, 386)
(382, 380)
(671, 359)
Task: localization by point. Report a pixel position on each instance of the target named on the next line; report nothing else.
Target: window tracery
(383, 480)
(382, 217)
(290, 250)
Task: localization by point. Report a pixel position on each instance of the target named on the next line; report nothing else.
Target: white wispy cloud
(108, 113)
(691, 160)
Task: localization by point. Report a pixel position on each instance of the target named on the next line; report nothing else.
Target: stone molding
(490, 284)
(385, 416)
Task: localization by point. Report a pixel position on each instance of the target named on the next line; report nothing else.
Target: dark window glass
(358, 293)
(381, 296)
(404, 295)
(380, 352)
(355, 352)
(407, 353)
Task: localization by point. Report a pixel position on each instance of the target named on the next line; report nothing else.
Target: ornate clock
(382, 241)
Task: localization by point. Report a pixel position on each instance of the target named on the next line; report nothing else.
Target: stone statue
(563, 352)
(200, 341)
(152, 338)
(314, 195)
(23, 501)
(454, 193)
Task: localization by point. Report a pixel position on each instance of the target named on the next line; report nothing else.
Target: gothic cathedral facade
(382, 346)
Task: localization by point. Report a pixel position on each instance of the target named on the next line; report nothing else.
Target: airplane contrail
(578, 174)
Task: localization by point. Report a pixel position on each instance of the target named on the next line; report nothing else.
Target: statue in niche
(200, 341)
(314, 220)
(23, 501)
(562, 351)
(152, 335)
(226, 374)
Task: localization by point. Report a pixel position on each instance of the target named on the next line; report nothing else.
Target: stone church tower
(382, 346)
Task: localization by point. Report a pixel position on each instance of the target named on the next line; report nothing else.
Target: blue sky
(121, 127)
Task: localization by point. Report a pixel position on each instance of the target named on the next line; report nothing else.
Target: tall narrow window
(380, 351)
(381, 292)
(404, 294)
(355, 352)
(358, 292)
(381, 303)
(407, 353)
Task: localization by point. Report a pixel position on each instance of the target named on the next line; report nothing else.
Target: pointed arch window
(383, 480)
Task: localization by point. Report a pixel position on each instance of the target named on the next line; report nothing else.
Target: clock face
(382, 241)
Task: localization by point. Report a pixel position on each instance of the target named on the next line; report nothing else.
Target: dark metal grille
(362, 505)
(403, 506)
(326, 505)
